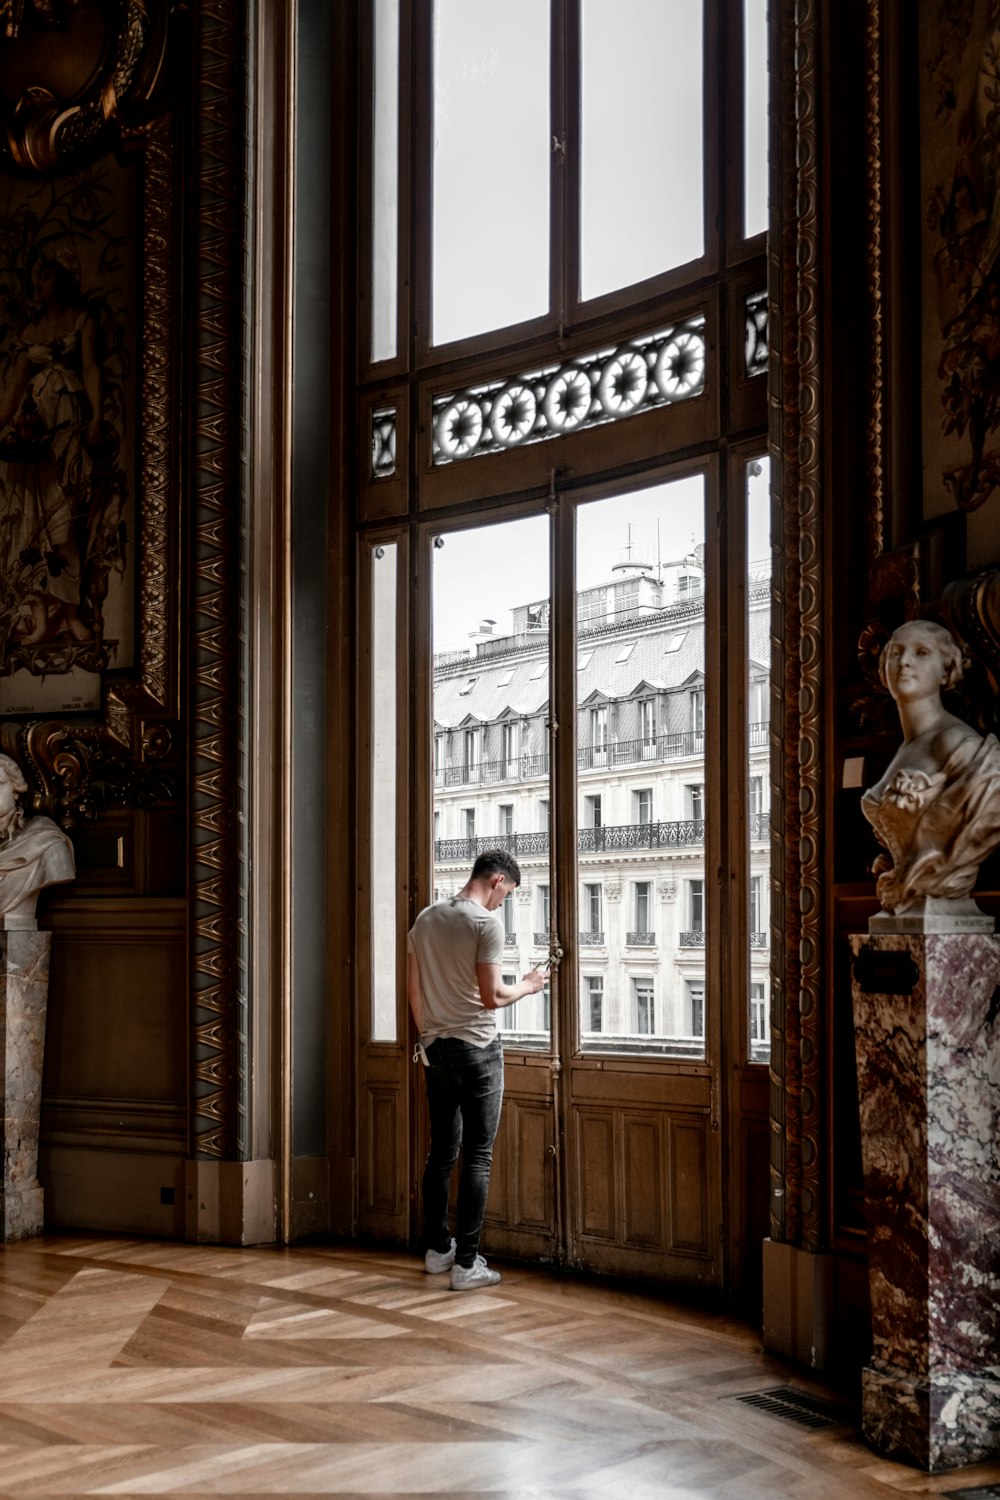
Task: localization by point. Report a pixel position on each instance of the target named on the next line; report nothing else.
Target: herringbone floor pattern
(138, 1368)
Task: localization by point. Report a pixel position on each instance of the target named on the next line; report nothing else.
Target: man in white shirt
(454, 986)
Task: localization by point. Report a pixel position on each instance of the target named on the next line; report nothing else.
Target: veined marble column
(24, 988)
(928, 1051)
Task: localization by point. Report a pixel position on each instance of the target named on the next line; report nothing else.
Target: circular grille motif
(459, 428)
(680, 366)
(623, 383)
(567, 400)
(513, 415)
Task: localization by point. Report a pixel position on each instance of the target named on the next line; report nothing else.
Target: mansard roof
(664, 652)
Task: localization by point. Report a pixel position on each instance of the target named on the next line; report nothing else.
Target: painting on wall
(68, 319)
(960, 160)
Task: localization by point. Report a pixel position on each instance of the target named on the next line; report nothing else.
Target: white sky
(485, 571)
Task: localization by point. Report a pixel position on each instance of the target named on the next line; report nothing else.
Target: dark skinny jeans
(464, 1095)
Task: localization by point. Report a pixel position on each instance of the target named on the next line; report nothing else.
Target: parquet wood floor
(138, 1368)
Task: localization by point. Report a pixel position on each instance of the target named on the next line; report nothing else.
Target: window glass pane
(385, 864)
(385, 179)
(642, 209)
(640, 760)
(758, 737)
(754, 116)
(491, 165)
(491, 772)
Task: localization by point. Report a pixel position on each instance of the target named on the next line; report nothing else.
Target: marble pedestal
(928, 1053)
(24, 989)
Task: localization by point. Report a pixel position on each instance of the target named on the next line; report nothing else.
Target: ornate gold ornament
(68, 68)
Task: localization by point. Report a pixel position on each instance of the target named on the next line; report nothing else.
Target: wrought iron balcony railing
(660, 747)
(695, 939)
(686, 834)
(759, 939)
(540, 939)
(595, 936)
(641, 939)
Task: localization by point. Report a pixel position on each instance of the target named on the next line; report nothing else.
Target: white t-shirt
(449, 939)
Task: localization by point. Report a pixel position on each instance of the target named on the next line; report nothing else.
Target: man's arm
(494, 993)
(413, 991)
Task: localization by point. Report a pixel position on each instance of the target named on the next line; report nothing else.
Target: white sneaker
(436, 1261)
(464, 1278)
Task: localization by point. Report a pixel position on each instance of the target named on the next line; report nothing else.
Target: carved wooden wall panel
(688, 1157)
(795, 405)
(641, 1176)
(522, 1198)
(595, 1174)
(383, 1176)
(214, 554)
(115, 1117)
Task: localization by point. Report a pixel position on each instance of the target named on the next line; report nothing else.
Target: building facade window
(592, 811)
(756, 907)
(505, 818)
(759, 1029)
(696, 905)
(593, 1015)
(511, 747)
(642, 805)
(471, 747)
(593, 923)
(695, 994)
(696, 799)
(645, 1010)
(756, 796)
(469, 822)
(544, 910)
(647, 727)
(599, 735)
(760, 702)
(643, 906)
(509, 916)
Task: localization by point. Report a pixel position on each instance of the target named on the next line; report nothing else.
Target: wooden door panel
(642, 1177)
(521, 1210)
(595, 1174)
(688, 1185)
(531, 1138)
(383, 1175)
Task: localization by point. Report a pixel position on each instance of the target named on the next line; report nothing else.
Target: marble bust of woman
(34, 852)
(936, 811)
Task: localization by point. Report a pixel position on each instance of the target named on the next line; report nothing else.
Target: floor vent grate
(979, 1492)
(796, 1406)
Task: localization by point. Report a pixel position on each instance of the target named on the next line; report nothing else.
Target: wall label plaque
(881, 972)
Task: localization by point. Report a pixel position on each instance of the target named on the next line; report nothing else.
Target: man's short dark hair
(496, 862)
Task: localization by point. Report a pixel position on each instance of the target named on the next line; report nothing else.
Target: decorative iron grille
(756, 333)
(593, 938)
(641, 939)
(541, 939)
(656, 370)
(758, 939)
(383, 442)
(694, 939)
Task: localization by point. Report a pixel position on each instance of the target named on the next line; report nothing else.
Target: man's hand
(494, 993)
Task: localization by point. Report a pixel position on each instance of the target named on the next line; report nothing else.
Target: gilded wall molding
(76, 69)
(220, 235)
(810, 742)
(874, 145)
(78, 767)
(797, 1095)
